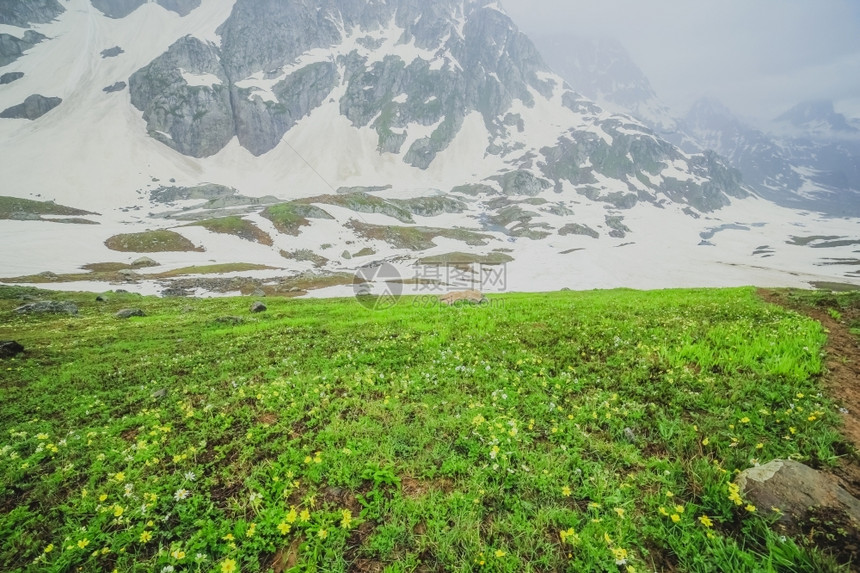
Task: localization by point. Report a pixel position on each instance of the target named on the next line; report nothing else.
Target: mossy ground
(556, 432)
(161, 241)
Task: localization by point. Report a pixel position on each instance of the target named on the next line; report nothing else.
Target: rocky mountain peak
(816, 118)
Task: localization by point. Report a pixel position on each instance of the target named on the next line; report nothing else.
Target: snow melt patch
(200, 80)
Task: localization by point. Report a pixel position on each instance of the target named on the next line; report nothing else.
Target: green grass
(161, 241)
(289, 218)
(466, 259)
(416, 238)
(553, 432)
(237, 227)
(11, 207)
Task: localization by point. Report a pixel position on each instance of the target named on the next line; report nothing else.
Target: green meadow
(597, 431)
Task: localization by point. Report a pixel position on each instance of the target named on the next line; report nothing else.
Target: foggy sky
(759, 57)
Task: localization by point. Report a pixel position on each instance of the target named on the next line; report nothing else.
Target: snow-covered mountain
(809, 159)
(417, 130)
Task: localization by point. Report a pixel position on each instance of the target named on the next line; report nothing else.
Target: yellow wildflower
(292, 516)
(228, 566)
(83, 543)
(679, 509)
(284, 528)
(500, 553)
(145, 537)
(619, 511)
(322, 534)
(347, 519)
(565, 491)
(706, 521)
(676, 518)
(750, 508)
(118, 510)
(49, 548)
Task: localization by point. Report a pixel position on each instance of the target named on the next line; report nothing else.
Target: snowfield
(93, 152)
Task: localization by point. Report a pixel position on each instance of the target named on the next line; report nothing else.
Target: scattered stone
(10, 349)
(101, 298)
(175, 292)
(346, 255)
(130, 312)
(48, 307)
(230, 320)
(258, 293)
(128, 274)
(112, 52)
(33, 108)
(121, 291)
(295, 290)
(258, 307)
(566, 289)
(159, 394)
(113, 88)
(630, 435)
(467, 296)
(795, 489)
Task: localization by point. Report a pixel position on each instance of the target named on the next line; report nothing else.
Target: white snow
(200, 80)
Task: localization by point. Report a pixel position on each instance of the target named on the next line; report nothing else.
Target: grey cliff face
(196, 120)
(266, 36)
(22, 13)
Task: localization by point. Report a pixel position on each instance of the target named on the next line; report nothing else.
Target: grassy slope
(562, 432)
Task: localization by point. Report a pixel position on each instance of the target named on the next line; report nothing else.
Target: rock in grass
(159, 394)
(230, 320)
(143, 262)
(258, 307)
(10, 349)
(101, 298)
(48, 307)
(466, 296)
(796, 490)
(130, 312)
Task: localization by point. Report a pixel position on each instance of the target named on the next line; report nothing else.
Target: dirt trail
(842, 379)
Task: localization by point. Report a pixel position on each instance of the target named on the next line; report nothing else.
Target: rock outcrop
(10, 77)
(48, 307)
(12, 48)
(795, 490)
(33, 108)
(10, 349)
(23, 13)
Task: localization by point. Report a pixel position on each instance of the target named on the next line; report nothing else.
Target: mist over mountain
(807, 157)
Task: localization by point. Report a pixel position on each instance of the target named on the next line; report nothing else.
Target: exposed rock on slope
(33, 108)
(23, 13)
(11, 47)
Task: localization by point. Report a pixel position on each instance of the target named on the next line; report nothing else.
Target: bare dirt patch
(843, 357)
